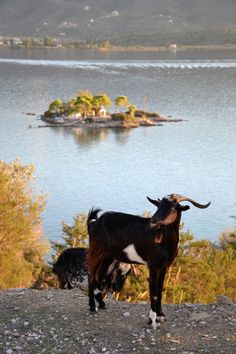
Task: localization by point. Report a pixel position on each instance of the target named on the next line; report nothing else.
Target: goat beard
(158, 238)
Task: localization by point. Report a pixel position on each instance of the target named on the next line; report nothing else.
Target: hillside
(58, 321)
(125, 22)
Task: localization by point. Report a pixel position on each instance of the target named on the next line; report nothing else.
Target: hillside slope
(122, 22)
(58, 321)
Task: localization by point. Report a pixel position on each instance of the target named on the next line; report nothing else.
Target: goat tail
(92, 217)
(95, 256)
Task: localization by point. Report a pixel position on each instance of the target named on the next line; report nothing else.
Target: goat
(134, 239)
(71, 267)
(71, 270)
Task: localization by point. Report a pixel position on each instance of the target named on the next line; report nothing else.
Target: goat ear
(155, 202)
(184, 207)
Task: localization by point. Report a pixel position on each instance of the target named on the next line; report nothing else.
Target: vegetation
(73, 236)
(122, 101)
(22, 249)
(84, 104)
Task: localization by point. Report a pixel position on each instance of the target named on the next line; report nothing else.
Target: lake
(116, 170)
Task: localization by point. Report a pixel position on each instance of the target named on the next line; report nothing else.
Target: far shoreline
(165, 48)
(117, 48)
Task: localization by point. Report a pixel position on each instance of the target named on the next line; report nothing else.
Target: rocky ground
(58, 321)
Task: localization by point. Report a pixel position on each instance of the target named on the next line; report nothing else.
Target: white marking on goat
(96, 291)
(83, 285)
(153, 316)
(125, 268)
(132, 254)
(161, 319)
(92, 220)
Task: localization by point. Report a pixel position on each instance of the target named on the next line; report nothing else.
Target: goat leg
(92, 304)
(160, 282)
(100, 301)
(153, 297)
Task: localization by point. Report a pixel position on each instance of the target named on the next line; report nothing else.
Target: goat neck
(170, 236)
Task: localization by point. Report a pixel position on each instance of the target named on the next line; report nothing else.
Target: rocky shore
(106, 122)
(58, 321)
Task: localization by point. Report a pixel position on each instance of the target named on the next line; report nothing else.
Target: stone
(224, 300)
(199, 316)
(126, 314)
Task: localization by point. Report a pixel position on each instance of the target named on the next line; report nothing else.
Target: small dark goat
(71, 267)
(71, 270)
(133, 239)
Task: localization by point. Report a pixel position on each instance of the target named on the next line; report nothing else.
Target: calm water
(116, 170)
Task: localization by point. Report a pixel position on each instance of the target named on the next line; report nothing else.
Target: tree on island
(84, 102)
(132, 109)
(122, 101)
(100, 100)
(86, 105)
(57, 106)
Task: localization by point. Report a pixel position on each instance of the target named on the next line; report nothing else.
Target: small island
(88, 110)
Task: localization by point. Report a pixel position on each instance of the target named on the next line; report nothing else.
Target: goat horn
(179, 198)
(155, 202)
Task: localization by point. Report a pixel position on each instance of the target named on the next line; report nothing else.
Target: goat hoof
(161, 319)
(154, 324)
(102, 306)
(93, 309)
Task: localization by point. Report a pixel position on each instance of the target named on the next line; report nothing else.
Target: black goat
(71, 270)
(134, 239)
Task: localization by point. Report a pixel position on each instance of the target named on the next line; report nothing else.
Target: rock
(189, 305)
(224, 300)
(9, 351)
(199, 316)
(16, 334)
(126, 314)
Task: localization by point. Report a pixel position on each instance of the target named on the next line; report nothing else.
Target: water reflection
(121, 136)
(86, 137)
(94, 54)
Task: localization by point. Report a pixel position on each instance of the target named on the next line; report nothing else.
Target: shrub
(22, 249)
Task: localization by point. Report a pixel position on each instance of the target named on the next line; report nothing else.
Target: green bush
(119, 116)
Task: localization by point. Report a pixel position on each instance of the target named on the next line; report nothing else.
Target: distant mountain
(127, 22)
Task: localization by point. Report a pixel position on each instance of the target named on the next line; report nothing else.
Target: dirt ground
(58, 321)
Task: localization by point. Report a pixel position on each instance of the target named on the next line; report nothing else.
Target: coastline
(166, 48)
(137, 48)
